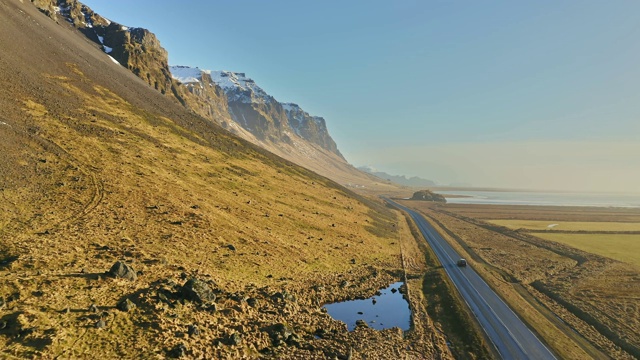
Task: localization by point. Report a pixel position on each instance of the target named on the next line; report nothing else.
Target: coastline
(529, 198)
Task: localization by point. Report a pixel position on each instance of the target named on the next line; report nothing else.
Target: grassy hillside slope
(96, 167)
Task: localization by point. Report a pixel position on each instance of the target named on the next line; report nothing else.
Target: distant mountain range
(413, 181)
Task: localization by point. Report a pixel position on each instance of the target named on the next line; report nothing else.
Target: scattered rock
(238, 298)
(197, 290)
(394, 290)
(93, 308)
(361, 323)
(252, 302)
(193, 330)
(162, 297)
(126, 305)
(353, 261)
(100, 324)
(277, 297)
(282, 334)
(179, 351)
(231, 247)
(235, 339)
(321, 333)
(122, 270)
(27, 331)
(344, 283)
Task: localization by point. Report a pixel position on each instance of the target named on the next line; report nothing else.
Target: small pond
(384, 311)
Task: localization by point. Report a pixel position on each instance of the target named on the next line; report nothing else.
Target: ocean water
(543, 198)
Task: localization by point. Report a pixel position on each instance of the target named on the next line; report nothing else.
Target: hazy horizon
(535, 95)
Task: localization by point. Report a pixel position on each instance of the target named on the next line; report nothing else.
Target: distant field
(567, 225)
(546, 213)
(625, 248)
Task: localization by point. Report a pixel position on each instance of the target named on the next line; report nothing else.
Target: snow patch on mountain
(297, 116)
(250, 105)
(236, 85)
(239, 87)
(64, 9)
(186, 74)
(290, 106)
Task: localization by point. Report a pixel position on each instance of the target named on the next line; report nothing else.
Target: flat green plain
(621, 247)
(567, 225)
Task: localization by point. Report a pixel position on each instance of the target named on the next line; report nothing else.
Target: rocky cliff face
(137, 49)
(311, 128)
(230, 99)
(252, 107)
(258, 112)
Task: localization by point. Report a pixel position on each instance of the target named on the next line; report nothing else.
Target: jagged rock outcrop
(256, 111)
(311, 128)
(252, 108)
(426, 195)
(137, 49)
(140, 51)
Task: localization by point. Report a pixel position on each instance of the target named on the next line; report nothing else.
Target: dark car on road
(462, 263)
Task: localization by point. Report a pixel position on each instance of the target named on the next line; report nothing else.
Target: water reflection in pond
(384, 311)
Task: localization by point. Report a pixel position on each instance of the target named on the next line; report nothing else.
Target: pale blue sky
(454, 91)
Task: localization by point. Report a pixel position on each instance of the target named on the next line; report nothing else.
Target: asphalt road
(510, 336)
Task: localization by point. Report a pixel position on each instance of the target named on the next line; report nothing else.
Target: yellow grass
(625, 248)
(567, 225)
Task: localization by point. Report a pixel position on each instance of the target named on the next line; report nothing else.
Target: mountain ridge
(250, 112)
(249, 103)
(413, 181)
